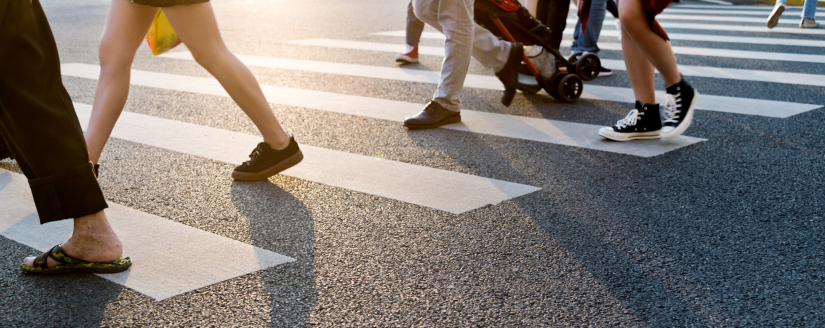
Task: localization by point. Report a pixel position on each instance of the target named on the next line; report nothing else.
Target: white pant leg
(454, 18)
(489, 50)
(464, 38)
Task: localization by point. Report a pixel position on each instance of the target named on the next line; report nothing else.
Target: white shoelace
(629, 120)
(672, 109)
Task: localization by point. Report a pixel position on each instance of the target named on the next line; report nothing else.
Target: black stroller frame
(509, 20)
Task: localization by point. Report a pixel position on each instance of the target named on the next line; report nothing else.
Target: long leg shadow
(647, 297)
(281, 223)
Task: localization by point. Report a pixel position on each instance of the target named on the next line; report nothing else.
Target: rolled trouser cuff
(71, 194)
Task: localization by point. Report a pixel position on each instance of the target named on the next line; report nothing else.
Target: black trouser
(553, 14)
(37, 119)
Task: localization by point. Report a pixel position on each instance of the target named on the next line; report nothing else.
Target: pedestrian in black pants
(41, 130)
(553, 14)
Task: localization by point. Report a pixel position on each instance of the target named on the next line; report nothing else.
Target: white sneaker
(808, 23)
(773, 18)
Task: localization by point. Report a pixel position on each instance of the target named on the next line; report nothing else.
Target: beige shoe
(773, 18)
(808, 23)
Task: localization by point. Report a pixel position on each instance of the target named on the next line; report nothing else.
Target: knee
(632, 19)
(209, 58)
(424, 15)
(113, 56)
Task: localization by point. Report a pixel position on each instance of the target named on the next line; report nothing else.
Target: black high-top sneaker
(641, 123)
(681, 100)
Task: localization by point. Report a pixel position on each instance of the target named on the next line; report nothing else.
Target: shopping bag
(161, 36)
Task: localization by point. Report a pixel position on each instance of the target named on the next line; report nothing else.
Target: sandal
(71, 264)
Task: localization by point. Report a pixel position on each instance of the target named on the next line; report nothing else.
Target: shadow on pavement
(649, 299)
(281, 223)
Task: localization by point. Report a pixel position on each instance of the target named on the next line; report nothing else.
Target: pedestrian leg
(39, 123)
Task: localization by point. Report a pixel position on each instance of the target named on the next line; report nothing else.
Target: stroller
(509, 20)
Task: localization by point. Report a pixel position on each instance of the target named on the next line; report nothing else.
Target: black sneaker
(604, 72)
(641, 123)
(432, 116)
(681, 100)
(5, 152)
(265, 162)
(508, 75)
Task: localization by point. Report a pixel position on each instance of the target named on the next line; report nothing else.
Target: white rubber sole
(405, 59)
(616, 136)
(679, 129)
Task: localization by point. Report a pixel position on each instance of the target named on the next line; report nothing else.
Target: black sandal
(70, 264)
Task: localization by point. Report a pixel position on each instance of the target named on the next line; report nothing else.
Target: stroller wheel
(551, 85)
(570, 88)
(575, 57)
(588, 67)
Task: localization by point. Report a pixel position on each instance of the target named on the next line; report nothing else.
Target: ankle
(279, 142)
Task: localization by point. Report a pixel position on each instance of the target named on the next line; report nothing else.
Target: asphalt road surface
(517, 217)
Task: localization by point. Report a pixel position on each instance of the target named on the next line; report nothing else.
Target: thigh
(197, 27)
(456, 19)
(427, 11)
(125, 30)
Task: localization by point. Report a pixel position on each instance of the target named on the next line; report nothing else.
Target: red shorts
(653, 8)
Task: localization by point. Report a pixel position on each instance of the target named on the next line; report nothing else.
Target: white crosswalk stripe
(721, 27)
(168, 256)
(763, 14)
(744, 7)
(759, 20)
(721, 2)
(710, 52)
(434, 188)
(688, 70)
(555, 132)
(673, 36)
(707, 102)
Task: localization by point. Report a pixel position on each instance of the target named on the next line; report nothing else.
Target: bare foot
(92, 240)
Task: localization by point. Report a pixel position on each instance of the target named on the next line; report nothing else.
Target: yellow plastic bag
(161, 36)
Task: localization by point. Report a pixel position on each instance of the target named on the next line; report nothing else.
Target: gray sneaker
(808, 23)
(773, 18)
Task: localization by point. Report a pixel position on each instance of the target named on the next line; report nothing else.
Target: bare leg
(652, 47)
(92, 240)
(198, 28)
(639, 70)
(126, 26)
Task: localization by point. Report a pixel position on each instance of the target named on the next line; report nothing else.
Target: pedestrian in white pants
(464, 38)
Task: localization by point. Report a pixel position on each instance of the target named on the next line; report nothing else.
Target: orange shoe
(408, 57)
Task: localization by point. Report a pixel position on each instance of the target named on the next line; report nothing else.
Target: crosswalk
(688, 70)
(438, 189)
(166, 253)
(673, 36)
